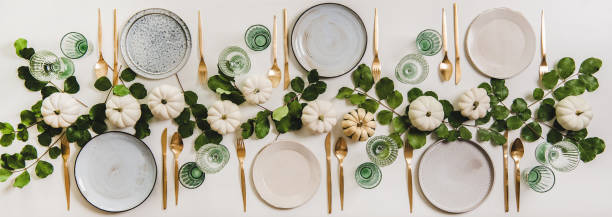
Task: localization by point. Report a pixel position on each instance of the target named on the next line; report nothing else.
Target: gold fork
(543, 64)
(202, 71)
(274, 74)
(241, 152)
(376, 62)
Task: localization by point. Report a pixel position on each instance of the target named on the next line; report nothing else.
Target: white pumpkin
(60, 110)
(474, 103)
(426, 113)
(122, 111)
(359, 124)
(166, 102)
(224, 117)
(573, 113)
(256, 89)
(319, 116)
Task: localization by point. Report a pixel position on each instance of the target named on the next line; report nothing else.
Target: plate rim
(350, 10)
(277, 205)
(115, 211)
(467, 39)
(128, 26)
(491, 166)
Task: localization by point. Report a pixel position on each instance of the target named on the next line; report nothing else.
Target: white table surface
(579, 29)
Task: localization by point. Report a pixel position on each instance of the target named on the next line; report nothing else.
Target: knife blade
(505, 148)
(328, 159)
(65, 145)
(164, 142)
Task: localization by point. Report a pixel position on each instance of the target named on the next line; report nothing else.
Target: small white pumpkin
(256, 89)
(359, 124)
(319, 116)
(166, 102)
(573, 113)
(224, 117)
(426, 113)
(60, 110)
(122, 111)
(474, 103)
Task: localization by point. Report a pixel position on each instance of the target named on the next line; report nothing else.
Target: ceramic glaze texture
(330, 38)
(155, 43)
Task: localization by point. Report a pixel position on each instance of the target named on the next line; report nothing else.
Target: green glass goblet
(539, 178)
(211, 158)
(45, 66)
(382, 150)
(429, 42)
(74, 45)
(234, 61)
(563, 156)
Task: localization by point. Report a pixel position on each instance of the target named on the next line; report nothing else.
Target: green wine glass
(74, 45)
(382, 150)
(539, 178)
(563, 156)
(45, 66)
(368, 175)
(211, 158)
(429, 42)
(234, 61)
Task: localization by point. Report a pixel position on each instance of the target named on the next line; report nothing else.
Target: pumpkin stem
(428, 114)
(256, 90)
(164, 101)
(475, 105)
(57, 112)
(579, 113)
(118, 109)
(224, 117)
(321, 117)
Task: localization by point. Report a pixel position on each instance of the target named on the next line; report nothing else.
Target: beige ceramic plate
(456, 176)
(286, 174)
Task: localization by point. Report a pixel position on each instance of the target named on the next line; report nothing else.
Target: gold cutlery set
(101, 66)
(340, 150)
(516, 152)
(176, 146)
(446, 67)
(274, 74)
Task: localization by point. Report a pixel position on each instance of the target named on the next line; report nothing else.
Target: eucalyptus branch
(553, 89)
(42, 155)
(377, 100)
(179, 82)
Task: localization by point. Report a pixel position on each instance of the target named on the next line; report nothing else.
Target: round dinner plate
(155, 43)
(115, 171)
(456, 176)
(329, 37)
(500, 43)
(286, 174)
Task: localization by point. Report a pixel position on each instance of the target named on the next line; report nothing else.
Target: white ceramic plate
(500, 43)
(286, 174)
(115, 171)
(329, 37)
(155, 43)
(456, 176)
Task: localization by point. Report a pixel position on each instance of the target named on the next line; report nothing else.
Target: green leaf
(550, 79)
(71, 85)
(19, 45)
(399, 124)
(343, 92)
(518, 105)
(186, 129)
(203, 124)
(191, 98)
(577, 135)
(455, 119)
(362, 77)
(589, 148)
(43, 169)
(4, 174)
(357, 99)
(499, 89)
(514, 122)
(120, 90)
(442, 131)
(22, 180)
(247, 128)
(416, 138)
(6, 128)
(566, 67)
(235, 96)
(431, 93)
(313, 76)
(483, 135)
(499, 125)
(27, 117)
(297, 85)
(497, 138)
(554, 136)
(384, 117)
(28, 152)
(32, 84)
(262, 124)
(280, 113)
(199, 111)
(447, 107)
(128, 75)
(414, 93)
(590, 66)
(54, 152)
(23, 72)
(44, 139)
(487, 87)
(452, 135)
(22, 133)
(548, 101)
(310, 93)
(320, 86)
(98, 112)
(590, 82)
(384, 88)
(142, 129)
(369, 105)
(36, 108)
(200, 141)
(103, 84)
(395, 99)
(283, 125)
(531, 132)
(183, 117)
(398, 139)
(575, 86)
(99, 127)
(483, 120)
(499, 112)
(7, 139)
(525, 115)
(562, 92)
(465, 133)
(289, 97)
(538, 93)
(138, 91)
(48, 90)
(27, 53)
(546, 112)
(15, 161)
(213, 136)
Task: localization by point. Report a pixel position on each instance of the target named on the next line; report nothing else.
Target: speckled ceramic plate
(456, 176)
(155, 43)
(115, 171)
(329, 37)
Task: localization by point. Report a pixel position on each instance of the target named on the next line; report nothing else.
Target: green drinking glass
(412, 69)
(539, 178)
(429, 42)
(191, 176)
(563, 156)
(382, 150)
(257, 37)
(211, 158)
(74, 45)
(234, 61)
(368, 175)
(45, 66)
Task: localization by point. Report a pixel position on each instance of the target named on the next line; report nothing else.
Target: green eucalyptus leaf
(497, 138)
(531, 132)
(297, 84)
(554, 136)
(15, 161)
(566, 67)
(203, 124)
(483, 135)
(442, 131)
(590, 82)
(200, 141)
(120, 90)
(44, 139)
(27, 53)
(590, 148)
(98, 112)
(235, 96)
(54, 152)
(344, 93)
(369, 105)
(483, 120)
(362, 77)
(455, 119)
(518, 105)
(27, 117)
(128, 75)
(19, 45)
(576, 87)
(36, 108)
(280, 113)
(416, 139)
(103, 83)
(262, 124)
(283, 125)
(6, 128)
(514, 122)
(465, 133)
(313, 76)
(590, 66)
(499, 125)
(384, 117)
(487, 87)
(7, 139)
(550, 79)
(357, 99)
(183, 117)
(562, 92)
(499, 88)
(71, 85)
(431, 93)
(538, 93)
(499, 112)
(22, 180)
(99, 127)
(289, 97)
(453, 135)
(384, 88)
(247, 128)
(5, 174)
(213, 137)
(548, 101)
(186, 129)
(525, 115)
(43, 169)
(47, 91)
(398, 139)
(320, 86)
(546, 112)
(447, 107)
(23, 72)
(199, 111)
(577, 135)
(22, 133)
(399, 124)
(310, 93)
(142, 129)
(191, 98)
(29, 152)
(32, 84)
(395, 99)
(414, 93)
(138, 91)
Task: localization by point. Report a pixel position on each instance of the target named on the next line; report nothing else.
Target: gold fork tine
(241, 152)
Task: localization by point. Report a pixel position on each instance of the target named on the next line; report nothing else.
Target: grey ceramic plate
(329, 37)
(155, 43)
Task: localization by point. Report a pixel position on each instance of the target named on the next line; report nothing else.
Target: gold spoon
(274, 74)
(101, 67)
(341, 150)
(202, 71)
(176, 145)
(517, 151)
(446, 68)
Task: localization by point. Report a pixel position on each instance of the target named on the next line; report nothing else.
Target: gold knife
(164, 142)
(457, 66)
(286, 43)
(328, 158)
(505, 147)
(115, 44)
(408, 156)
(65, 154)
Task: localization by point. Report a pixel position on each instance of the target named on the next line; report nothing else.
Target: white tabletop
(579, 29)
